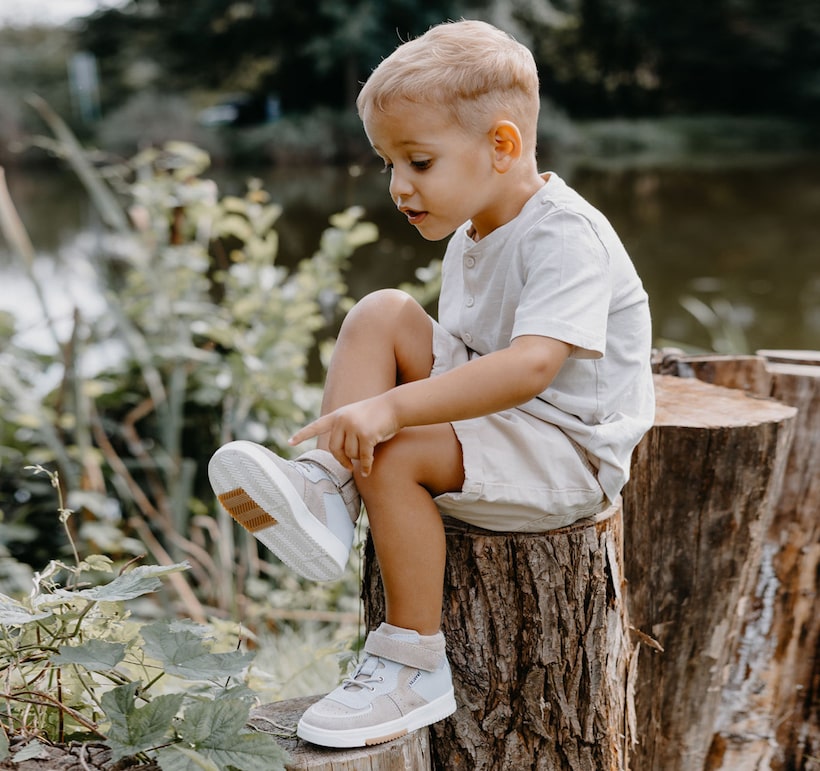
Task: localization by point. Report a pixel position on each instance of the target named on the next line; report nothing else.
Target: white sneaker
(403, 683)
(303, 510)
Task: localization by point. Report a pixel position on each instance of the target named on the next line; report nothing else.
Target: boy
(517, 411)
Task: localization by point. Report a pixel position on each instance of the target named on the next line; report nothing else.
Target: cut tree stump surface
(408, 753)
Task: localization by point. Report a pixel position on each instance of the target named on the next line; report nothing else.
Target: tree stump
(408, 753)
(770, 712)
(538, 641)
(696, 511)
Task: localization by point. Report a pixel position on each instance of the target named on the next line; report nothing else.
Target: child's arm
(487, 384)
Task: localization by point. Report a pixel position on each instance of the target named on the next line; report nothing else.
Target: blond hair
(479, 72)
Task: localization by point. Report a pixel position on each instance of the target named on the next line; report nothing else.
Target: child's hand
(355, 430)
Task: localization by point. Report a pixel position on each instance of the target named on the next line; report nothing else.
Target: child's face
(441, 176)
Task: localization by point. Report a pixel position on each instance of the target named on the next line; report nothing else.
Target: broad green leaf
(97, 562)
(15, 614)
(182, 652)
(136, 729)
(215, 729)
(213, 722)
(33, 750)
(4, 746)
(180, 758)
(141, 580)
(94, 655)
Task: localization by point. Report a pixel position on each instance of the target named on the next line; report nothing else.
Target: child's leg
(404, 680)
(303, 510)
(405, 523)
(387, 340)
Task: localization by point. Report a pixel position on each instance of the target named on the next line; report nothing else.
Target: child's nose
(399, 185)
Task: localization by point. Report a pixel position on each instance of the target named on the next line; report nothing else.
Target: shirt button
(469, 302)
(468, 338)
(469, 262)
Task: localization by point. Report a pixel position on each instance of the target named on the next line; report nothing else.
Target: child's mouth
(415, 217)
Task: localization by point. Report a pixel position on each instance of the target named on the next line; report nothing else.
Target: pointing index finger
(315, 428)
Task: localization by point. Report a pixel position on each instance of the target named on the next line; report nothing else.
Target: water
(744, 241)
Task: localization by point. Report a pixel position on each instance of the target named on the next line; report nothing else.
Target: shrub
(211, 341)
(77, 665)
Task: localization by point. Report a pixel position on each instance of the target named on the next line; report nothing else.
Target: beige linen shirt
(559, 270)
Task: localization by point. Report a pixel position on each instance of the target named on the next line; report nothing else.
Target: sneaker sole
(436, 710)
(261, 499)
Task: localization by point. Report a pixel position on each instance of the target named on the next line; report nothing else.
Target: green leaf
(363, 233)
(346, 219)
(180, 758)
(215, 729)
(136, 729)
(141, 580)
(94, 655)
(97, 562)
(182, 652)
(214, 722)
(4, 746)
(33, 750)
(15, 614)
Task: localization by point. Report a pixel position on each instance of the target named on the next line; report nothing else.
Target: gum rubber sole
(258, 495)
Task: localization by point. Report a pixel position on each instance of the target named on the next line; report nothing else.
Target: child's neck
(516, 194)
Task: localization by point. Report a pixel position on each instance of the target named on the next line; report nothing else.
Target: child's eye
(421, 165)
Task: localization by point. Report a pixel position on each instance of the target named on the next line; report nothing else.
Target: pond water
(743, 239)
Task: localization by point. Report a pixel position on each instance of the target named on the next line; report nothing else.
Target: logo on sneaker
(414, 678)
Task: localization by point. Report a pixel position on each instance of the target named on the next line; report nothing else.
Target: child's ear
(507, 145)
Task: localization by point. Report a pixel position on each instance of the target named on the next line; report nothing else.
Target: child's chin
(433, 234)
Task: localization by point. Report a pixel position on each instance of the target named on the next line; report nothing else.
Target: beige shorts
(520, 473)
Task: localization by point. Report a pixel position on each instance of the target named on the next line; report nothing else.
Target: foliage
(307, 55)
(150, 118)
(596, 57)
(77, 665)
(31, 60)
(203, 338)
(642, 58)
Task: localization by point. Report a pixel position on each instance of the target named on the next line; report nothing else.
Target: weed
(76, 665)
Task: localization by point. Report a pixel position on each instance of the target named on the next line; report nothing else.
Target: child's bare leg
(417, 464)
(387, 340)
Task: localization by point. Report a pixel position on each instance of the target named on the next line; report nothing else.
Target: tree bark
(696, 512)
(538, 641)
(770, 711)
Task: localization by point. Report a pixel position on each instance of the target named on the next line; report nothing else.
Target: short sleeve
(566, 284)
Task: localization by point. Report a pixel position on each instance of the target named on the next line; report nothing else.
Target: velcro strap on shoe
(408, 653)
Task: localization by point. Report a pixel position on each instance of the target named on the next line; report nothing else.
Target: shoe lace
(364, 674)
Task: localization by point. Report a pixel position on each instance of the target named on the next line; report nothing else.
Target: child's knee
(382, 303)
(429, 456)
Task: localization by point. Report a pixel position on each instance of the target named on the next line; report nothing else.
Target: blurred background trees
(184, 69)
(597, 57)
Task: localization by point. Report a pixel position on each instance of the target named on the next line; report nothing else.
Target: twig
(83, 763)
(148, 510)
(43, 699)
